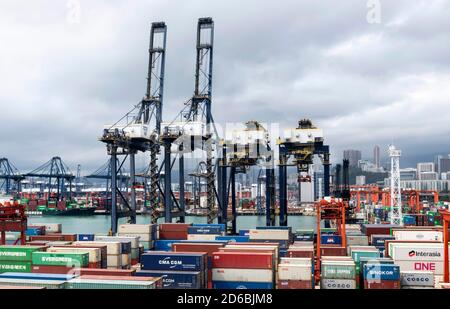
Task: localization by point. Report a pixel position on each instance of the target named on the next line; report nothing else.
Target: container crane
(135, 132)
(301, 144)
(194, 130)
(10, 177)
(395, 195)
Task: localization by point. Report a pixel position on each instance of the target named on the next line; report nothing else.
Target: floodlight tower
(396, 198)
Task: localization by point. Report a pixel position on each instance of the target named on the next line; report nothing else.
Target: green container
(357, 254)
(109, 284)
(18, 253)
(327, 230)
(42, 207)
(305, 232)
(336, 271)
(48, 284)
(17, 267)
(60, 259)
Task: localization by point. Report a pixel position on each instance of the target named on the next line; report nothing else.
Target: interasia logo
(414, 253)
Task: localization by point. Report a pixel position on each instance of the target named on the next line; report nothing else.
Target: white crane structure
(396, 197)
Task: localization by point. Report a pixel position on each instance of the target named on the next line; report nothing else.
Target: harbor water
(101, 223)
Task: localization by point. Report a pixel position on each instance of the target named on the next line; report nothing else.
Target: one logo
(412, 253)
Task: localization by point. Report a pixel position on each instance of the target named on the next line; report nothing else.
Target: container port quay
(173, 228)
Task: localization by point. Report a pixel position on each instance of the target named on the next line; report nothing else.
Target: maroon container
(65, 237)
(252, 260)
(177, 235)
(382, 284)
(107, 272)
(196, 247)
(330, 250)
(47, 269)
(174, 227)
(298, 252)
(294, 284)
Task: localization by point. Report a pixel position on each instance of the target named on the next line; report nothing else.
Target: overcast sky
(63, 76)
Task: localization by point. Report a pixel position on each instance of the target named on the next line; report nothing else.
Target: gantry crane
(396, 197)
(242, 150)
(57, 174)
(135, 132)
(10, 178)
(301, 143)
(193, 127)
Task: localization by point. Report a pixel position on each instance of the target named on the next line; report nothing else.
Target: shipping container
(174, 227)
(60, 259)
(332, 250)
(417, 278)
(244, 233)
(242, 260)
(301, 252)
(94, 253)
(220, 225)
(126, 242)
(412, 252)
(379, 240)
(50, 227)
(201, 237)
(341, 284)
(338, 270)
(242, 275)
(37, 276)
(205, 230)
(48, 284)
(373, 272)
(437, 267)
(177, 235)
(228, 285)
(331, 239)
(294, 284)
(113, 248)
(149, 229)
(382, 284)
(294, 272)
(269, 234)
(114, 260)
(16, 266)
(93, 284)
(86, 237)
(404, 234)
(47, 269)
(234, 238)
(107, 272)
(175, 279)
(173, 261)
(141, 237)
(18, 253)
(357, 240)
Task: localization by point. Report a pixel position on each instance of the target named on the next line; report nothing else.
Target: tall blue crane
(10, 177)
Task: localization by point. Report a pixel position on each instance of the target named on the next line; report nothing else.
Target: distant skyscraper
(353, 156)
(442, 164)
(376, 156)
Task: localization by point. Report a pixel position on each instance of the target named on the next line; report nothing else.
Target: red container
(331, 250)
(65, 237)
(177, 235)
(61, 205)
(300, 253)
(382, 284)
(108, 272)
(134, 261)
(95, 265)
(293, 284)
(37, 243)
(46, 269)
(174, 227)
(251, 260)
(47, 238)
(196, 247)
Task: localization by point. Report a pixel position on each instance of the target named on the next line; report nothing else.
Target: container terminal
(364, 236)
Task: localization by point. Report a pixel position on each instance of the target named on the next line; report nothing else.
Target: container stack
(301, 249)
(179, 270)
(338, 273)
(279, 234)
(243, 270)
(176, 231)
(295, 273)
(381, 276)
(60, 260)
(17, 258)
(130, 248)
(113, 249)
(416, 279)
(358, 252)
(368, 260)
(145, 232)
(379, 241)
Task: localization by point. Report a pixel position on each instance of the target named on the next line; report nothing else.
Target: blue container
(221, 226)
(33, 276)
(304, 237)
(283, 253)
(378, 240)
(86, 237)
(204, 230)
(33, 231)
(229, 285)
(409, 220)
(244, 232)
(173, 261)
(381, 272)
(331, 239)
(234, 238)
(175, 279)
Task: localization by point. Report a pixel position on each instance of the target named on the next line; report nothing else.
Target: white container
(244, 275)
(417, 235)
(269, 234)
(294, 272)
(142, 237)
(296, 261)
(432, 252)
(357, 240)
(340, 284)
(126, 259)
(50, 227)
(135, 228)
(437, 267)
(112, 248)
(417, 278)
(134, 240)
(94, 254)
(200, 237)
(114, 261)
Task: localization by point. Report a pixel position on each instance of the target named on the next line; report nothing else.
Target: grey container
(94, 284)
(341, 284)
(417, 278)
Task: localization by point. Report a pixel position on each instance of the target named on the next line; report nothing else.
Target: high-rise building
(425, 167)
(360, 180)
(442, 164)
(353, 156)
(376, 156)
